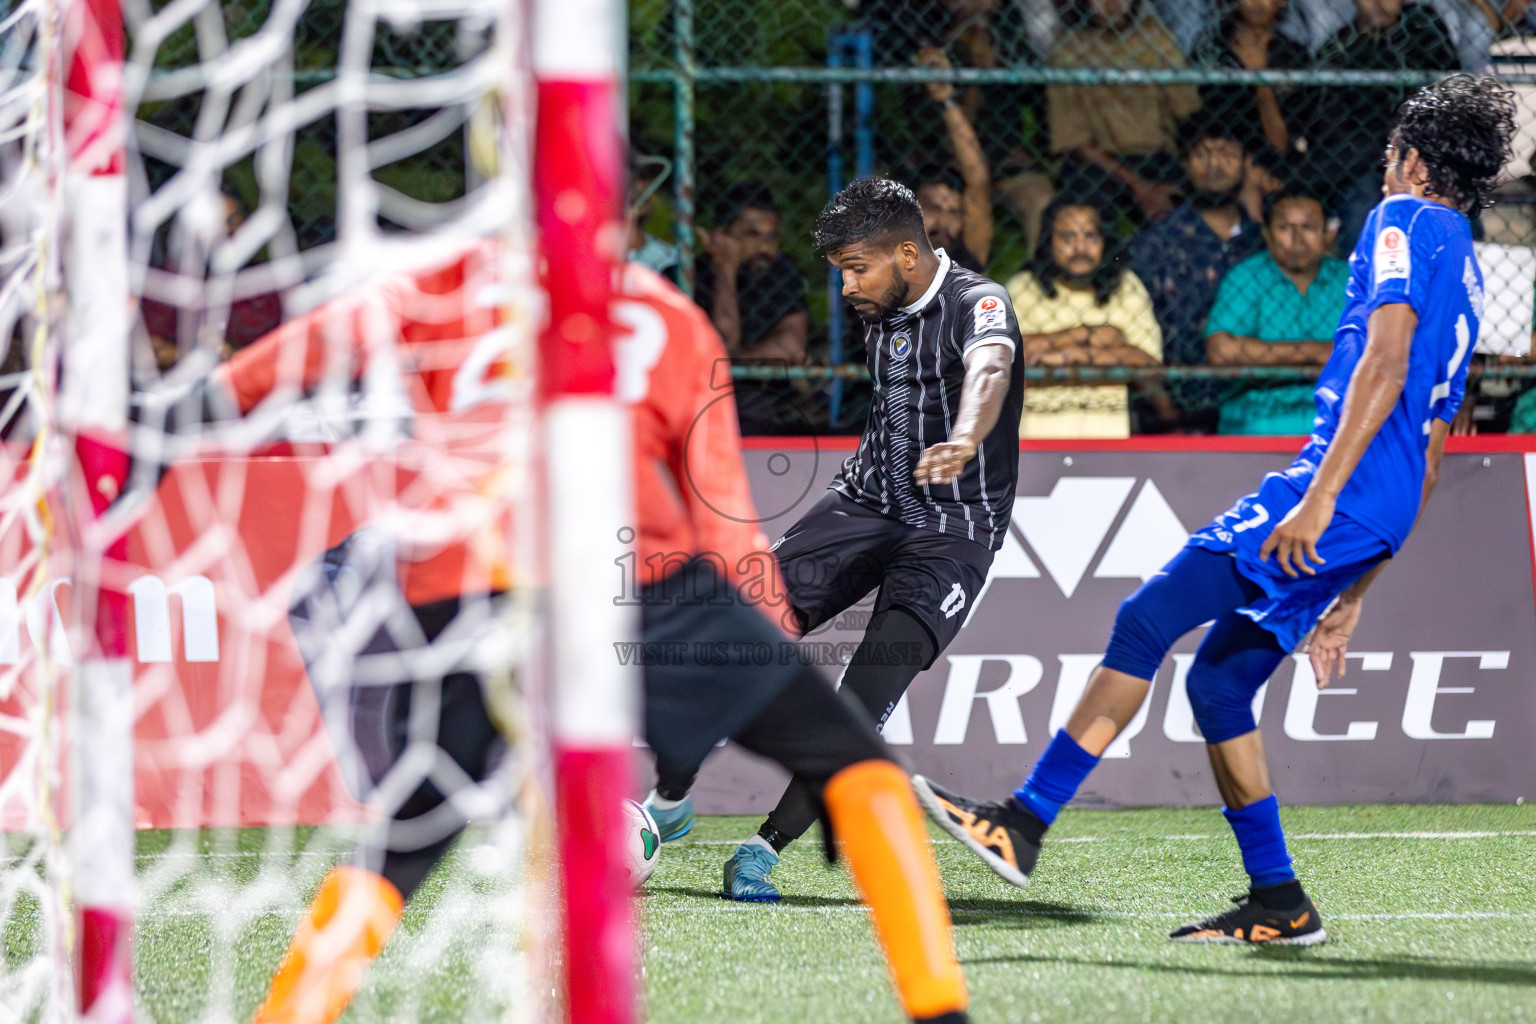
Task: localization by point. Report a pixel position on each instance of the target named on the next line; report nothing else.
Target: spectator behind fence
(1183, 258)
(753, 293)
(1514, 18)
(1247, 38)
(1118, 140)
(957, 219)
(1473, 25)
(1075, 307)
(174, 330)
(1188, 21)
(1279, 308)
(1386, 35)
(646, 175)
(897, 27)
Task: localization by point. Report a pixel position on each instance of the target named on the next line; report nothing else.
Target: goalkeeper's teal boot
(746, 874)
(672, 823)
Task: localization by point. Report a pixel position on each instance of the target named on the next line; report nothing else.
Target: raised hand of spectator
(933, 57)
(724, 250)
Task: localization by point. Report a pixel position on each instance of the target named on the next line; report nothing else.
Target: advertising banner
(1438, 704)
(227, 731)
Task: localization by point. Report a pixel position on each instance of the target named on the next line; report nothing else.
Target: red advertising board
(227, 731)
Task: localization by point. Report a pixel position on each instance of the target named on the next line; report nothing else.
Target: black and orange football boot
(1251, 922)
(1006, 836)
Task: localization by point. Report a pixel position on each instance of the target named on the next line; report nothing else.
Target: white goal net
(318, 534)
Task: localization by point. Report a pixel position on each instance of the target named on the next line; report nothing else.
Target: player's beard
(872, 311)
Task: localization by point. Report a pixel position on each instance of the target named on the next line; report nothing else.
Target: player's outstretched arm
(1374, 389)
(988, 370)
(1328, 643)
(300, 354)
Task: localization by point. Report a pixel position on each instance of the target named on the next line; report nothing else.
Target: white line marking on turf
(295, 911)
(296, 855)
(1414, 835)
(727, 907)
(1199, 836)
(1439, 915)
(1139, 838)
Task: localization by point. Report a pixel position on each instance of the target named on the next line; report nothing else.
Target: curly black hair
(870, 209)
(1462, 127)
(1106, 276)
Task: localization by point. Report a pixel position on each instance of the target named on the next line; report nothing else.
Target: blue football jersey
(1419, 252)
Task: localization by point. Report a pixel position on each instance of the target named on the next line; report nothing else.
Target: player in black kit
(920, 508)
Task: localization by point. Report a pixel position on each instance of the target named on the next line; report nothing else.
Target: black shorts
(839, 551)
(388, 676)
(716, 668)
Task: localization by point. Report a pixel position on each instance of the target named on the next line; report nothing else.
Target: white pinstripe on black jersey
(917, 361)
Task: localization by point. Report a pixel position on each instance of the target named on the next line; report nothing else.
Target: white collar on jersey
(933, 289)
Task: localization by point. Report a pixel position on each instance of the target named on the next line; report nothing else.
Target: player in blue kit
(1289, 565)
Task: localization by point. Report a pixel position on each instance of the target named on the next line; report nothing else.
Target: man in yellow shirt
(1075, 309)
(1118, 141)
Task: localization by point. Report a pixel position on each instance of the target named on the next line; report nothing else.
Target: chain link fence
(435, 174)
(1113, 162)
(417, 157)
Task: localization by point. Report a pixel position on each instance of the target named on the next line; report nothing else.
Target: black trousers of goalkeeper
(393, 678)
(698, 691)
(402, 693)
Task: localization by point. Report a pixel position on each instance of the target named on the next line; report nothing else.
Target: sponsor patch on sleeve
(1391, 260)
(990, 316)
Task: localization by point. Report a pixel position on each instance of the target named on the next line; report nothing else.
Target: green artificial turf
(1431, 912)
(1424, 928)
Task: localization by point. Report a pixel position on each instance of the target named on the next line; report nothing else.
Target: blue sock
(1257, 828)
(1060, 770)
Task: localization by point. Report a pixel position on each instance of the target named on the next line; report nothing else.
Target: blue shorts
(1290, 606)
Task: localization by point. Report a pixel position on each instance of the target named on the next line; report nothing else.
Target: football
(642, 842)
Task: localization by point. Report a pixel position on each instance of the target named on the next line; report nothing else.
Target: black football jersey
(917, 361)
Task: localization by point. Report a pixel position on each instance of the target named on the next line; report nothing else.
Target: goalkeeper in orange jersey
(401, 624)
(695, 538)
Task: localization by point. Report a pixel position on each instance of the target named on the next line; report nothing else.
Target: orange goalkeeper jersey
(440, 338)
(691, 488)
(445, 329)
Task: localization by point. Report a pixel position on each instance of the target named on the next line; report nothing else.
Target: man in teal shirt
(1279, 308)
